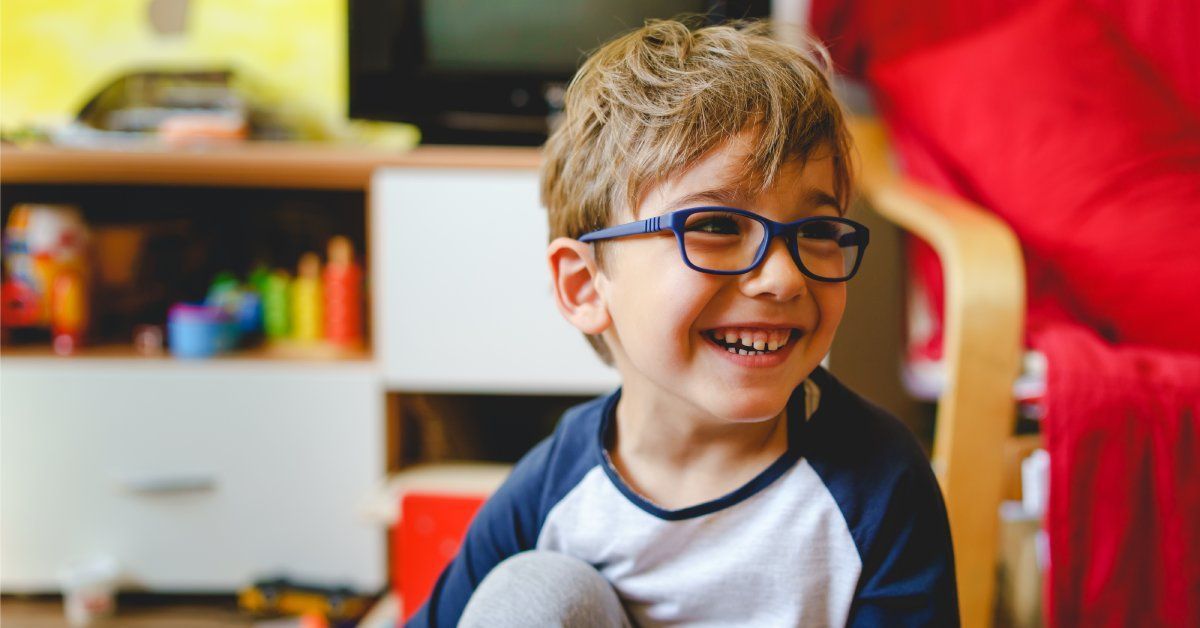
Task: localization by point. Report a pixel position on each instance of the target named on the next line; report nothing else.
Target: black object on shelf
(484, 72)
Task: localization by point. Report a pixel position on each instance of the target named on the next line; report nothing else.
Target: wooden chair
(982, 338)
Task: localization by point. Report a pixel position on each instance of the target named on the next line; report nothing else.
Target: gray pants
(544, 589)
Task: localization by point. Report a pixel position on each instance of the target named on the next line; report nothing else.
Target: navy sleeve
(908, 570)
(506, 524)
(882, 481)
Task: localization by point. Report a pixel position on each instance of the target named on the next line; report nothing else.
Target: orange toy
(68, 311)
(343, 294)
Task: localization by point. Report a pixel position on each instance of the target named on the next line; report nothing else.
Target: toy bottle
(42, 241)
(308, 319)
(257, 279)
(277, 305)
(68, 313)
(44, 271)
(343, 295)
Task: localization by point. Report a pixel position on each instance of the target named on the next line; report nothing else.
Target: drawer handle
(170, 484)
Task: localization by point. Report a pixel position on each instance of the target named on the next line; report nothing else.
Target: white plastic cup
(90, 590)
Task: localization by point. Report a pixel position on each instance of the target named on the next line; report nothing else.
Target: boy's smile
(729, 347)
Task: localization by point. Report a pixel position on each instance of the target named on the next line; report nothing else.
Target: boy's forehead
(722, 177)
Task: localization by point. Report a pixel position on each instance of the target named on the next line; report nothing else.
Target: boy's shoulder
(848, 430)
(560, 461)
(876, 471)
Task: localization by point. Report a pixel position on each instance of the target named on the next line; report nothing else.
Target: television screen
(482, 71)
(530, 35)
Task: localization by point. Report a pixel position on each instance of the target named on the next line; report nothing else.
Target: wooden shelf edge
(253, 164)
(321, 355)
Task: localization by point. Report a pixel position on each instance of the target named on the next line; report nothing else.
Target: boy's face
(663, 313)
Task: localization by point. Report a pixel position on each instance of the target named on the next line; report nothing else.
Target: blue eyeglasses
(730, 241)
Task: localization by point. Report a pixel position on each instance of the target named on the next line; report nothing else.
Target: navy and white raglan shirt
(848, 527)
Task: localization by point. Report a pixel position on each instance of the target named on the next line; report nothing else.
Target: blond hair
(651, 103)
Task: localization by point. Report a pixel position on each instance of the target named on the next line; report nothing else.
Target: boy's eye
(820, 230)
(720, 224)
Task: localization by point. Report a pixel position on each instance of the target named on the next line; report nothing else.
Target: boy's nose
(777, 277)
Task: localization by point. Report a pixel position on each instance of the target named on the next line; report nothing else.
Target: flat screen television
(489, 71)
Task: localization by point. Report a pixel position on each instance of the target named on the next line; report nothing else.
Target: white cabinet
(193, 475)
(201, 476)
(463, 298)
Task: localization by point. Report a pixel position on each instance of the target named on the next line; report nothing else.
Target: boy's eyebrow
(721, 196)
(817, 197)
(814, 198)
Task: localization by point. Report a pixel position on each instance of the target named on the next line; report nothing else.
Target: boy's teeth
(750, 341)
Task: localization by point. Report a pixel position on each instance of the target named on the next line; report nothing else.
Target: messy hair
(650, 104)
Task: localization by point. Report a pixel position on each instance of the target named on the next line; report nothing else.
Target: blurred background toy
(242, 302)
(68, 310)
(319, 312)
(148, 340)
(199, 331)
(46, 272)
(277, 304)
(343, 294)
(282, 596)
(308, 320)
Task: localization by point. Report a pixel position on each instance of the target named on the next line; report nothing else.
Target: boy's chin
(751, 410)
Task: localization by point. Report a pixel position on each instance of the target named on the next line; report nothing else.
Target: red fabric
(1079, 124)
(1122, 427)
(1054, 122)
(432, 527)
(861, 33)
(865, 33)
(1168, 36)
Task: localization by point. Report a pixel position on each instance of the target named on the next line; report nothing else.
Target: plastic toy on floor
(340, 605)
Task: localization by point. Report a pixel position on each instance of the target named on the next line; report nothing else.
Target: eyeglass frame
(676, 221)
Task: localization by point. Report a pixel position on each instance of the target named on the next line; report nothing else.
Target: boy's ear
(573, 273)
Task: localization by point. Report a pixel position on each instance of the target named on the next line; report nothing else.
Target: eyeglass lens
(725, 241)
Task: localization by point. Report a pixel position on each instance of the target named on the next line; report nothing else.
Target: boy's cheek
(831, 301)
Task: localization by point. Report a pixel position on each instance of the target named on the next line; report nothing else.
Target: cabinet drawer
(194, 476)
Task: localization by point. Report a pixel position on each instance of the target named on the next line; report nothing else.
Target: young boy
(696, 190)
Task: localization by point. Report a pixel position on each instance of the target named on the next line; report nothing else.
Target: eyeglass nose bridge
(772, 230)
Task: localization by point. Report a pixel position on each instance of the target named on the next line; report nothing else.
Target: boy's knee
(544, 589)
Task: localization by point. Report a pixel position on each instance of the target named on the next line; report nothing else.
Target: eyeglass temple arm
(649, 225)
